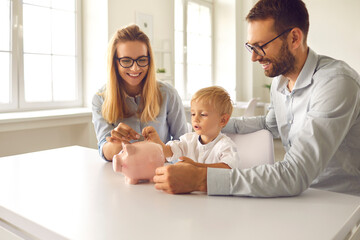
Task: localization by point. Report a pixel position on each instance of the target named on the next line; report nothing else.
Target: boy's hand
(202, 165)
(187, 160)
(150, 134)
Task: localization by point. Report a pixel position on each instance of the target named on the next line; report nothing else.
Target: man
(315, 109)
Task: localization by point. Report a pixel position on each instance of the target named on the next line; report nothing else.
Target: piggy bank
(138, 161)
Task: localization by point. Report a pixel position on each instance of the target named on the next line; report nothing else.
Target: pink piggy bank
(138, 161)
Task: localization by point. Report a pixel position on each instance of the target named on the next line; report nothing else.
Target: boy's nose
(196, 118)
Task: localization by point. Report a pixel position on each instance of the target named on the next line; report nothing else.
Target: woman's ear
(224, 119)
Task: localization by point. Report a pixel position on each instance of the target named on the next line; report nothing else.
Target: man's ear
(296, 38)
(224, 119)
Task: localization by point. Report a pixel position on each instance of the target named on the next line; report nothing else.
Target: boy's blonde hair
(215, 96)
(114, 106)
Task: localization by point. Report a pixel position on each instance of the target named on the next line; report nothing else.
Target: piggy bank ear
(129, 149)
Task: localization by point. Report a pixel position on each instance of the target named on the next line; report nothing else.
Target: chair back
(256, 148)
(250, 109)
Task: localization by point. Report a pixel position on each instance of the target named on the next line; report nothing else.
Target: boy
(211, 109)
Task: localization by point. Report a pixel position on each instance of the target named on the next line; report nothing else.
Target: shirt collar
(128, 96)
(210, 144)
(305, 77)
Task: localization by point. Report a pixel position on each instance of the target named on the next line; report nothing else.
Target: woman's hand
(122, 133)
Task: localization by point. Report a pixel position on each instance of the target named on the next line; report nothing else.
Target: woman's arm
(110, 138)
(110, 149)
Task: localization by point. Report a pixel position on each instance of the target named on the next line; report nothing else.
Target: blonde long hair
(114, 106)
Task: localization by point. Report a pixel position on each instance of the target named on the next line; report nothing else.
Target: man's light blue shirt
(170, 124)
(319, 125)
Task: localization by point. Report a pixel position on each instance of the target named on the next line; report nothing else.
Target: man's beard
(282, 65)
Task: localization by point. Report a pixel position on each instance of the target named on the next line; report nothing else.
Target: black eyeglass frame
(133, 61)
(252, 49)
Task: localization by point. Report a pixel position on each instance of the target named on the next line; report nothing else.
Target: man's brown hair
(286, 13)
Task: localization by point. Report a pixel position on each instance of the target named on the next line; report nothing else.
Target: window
(39, 54)
(193, 46)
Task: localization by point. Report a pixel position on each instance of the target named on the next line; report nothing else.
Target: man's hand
(181, 178)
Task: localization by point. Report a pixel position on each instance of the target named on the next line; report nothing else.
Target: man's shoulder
(328, 68)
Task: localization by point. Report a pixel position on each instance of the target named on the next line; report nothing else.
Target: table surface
(72, 193)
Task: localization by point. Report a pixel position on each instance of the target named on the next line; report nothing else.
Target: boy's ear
(224, 119)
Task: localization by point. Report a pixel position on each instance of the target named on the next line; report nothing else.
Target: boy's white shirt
(221, 150)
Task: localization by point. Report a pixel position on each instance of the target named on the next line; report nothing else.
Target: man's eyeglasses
(259, 50)
(127, 62)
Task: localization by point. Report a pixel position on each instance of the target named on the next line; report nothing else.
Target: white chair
(255, 148)
(250, 109)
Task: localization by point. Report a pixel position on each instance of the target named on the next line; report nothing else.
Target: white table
(72, 193)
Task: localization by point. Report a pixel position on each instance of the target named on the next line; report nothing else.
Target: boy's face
(206, 121)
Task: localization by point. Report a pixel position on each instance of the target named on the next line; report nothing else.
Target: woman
(132, 98)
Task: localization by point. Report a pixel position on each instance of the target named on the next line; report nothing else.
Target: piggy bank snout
(117, 162)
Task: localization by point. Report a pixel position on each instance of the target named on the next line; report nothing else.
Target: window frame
(16, 81)
(208, 3)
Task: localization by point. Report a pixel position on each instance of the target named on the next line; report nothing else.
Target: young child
(211, 109)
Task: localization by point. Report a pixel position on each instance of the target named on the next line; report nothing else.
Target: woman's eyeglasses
(127, 62)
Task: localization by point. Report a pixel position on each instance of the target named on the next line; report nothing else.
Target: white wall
(37, 139)
(122, 13)
(94, 46)
(224, 43)
(34, 131)
(335, 30)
